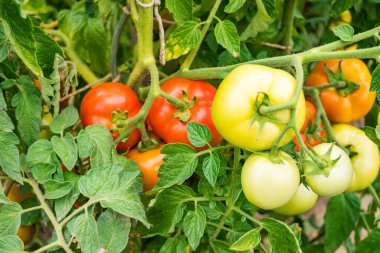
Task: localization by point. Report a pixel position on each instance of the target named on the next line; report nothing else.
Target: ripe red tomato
(162, 116)
(100, 102)
(149, 162)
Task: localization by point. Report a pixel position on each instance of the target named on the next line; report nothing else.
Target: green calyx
(341, 84)
(259, 114)
(183, 113)
(324, 167)
(147, 145)
(117, 118)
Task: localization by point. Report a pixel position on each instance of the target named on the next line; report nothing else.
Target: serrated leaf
(372, 134)
(182, 9)
(55, 189)
(341, 215)
(62, 206)
(199, 134)
(9, 155)
(339, 6)
(104, 6)
(375, 82)
(225, 58)
(66, 149)
(227, 36)
(176, 244)
(280, 236)
(68, 117)
(344, 32)
(113, 230)
(86, 233)
(194, 225)
(175, 170)
(173, 148)
(234, 5)
(211, 167)
(42, 171)
(3, 46)
(185, 37)
(19, 32)
(220, 246)
(371, 243)
(28, 109)
(10, 219)
(11, 244)
(247, 241)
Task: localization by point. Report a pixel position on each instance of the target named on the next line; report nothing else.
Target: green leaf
(371, 243)
(104, 6)
(62, 206)
(40, 152)
(194, 225)
(31, 217)
(3, 46)
(5, 121)
(28, 105)
(66, 149)
(234, 5)
(198, 134)
(280, 236)
(372, 134)
(113, 230)
(9, 155)
(225, 58)
(182, 9)
(375, 82)
(55, 189)
(42, 171)
(3, 198)
(172, 148)
(96, 141)
(227, 36)
(341, 215)
(86, 233)
(211, 167)
(19, 32)
(10, 219)
(175, 170)
(344, 32)
(259, 23)
(11, 244)
(185, 37)
(220, 246)
(339, 6)
(176, 244)
(116, 189)
(247, 241)
(167, 209)
(68, 117)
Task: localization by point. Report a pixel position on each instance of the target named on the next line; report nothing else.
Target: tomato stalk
(373, 192)
(288, 24)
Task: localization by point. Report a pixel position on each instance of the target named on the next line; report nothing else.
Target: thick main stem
(290, 7)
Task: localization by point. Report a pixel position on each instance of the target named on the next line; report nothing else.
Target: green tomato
(302, 202)
(243, 93)
(337, 177)
(270, 182)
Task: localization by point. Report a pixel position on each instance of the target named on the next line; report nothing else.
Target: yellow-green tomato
(365, 157)
(237, 110)
(269, 182)
(302, 202)
(339, 175)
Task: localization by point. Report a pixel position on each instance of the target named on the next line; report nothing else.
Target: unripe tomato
(169, 123)
(16, 195)
(99, 103)
(149, 162)
(338, 176)
(269, 184)
(25, 233)
(353, 106)
(302, 202)
(241, 95)
(365, 156)
(345, 18)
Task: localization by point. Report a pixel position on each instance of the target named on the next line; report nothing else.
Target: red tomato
(38, 84)
(170, 128)
(149, 162)
(100, 102)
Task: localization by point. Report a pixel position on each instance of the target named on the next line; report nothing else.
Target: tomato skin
(302, 201)
(269, 185)
(366, 163)
(353, 106)
(233, 110)
(339, 178)
(149, 162)
(311, 113)
(38, 84)
(171, 129)
(25, 233)
(99, 103)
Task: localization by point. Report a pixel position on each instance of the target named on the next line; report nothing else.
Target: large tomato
(303, 201)
(269, 183)
(236, 108)
(365, 157)
(343, 108)
(99, 103)
(149, 162)
(165, 120)
(336, 178)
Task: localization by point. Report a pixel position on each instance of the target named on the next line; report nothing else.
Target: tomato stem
(288, 24)
(248, 216)
(374, 195)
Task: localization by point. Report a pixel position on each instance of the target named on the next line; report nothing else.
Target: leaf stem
(46, 247)
(249, 217)
(374, 195)
(114, 44)
(76, 212)
(289, 8)
(32, 209)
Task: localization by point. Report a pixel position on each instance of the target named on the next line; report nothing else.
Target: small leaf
(55, 189)
(372, 134)
(339, 6)
(344, 32)
(176, 244)
(211, 167)
(9, 155)
(66, 149)
(375, 82)
(371, 243)
(10, 219)
(68, 117)
(182, 9)
(234, 5)
(227, 36)
(11, 244)
(247, 241)
(199, 135)
(194, 225)
(63, 205)
(173, 148)
(86, 232)
(3, 46)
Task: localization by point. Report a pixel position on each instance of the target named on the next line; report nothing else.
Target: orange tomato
(25, 233)
(347, 108)
(149, 162)
(38, 84)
